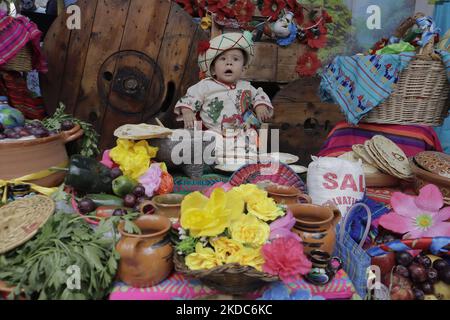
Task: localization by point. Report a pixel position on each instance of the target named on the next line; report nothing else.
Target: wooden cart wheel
(129, 62)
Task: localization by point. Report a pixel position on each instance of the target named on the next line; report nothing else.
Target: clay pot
(146, 259)
(21, 158)
(316, 225)
(168, 205)
(286, 195)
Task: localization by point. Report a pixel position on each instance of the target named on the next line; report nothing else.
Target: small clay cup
(168, 205)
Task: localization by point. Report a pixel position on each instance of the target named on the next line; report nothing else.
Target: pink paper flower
(418, 217)
(151, 179)
(281, 228)
(284, 257)
(107, 161)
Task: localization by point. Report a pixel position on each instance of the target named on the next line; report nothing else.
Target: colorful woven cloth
(20, 97)
(178, 287)
(184, 185)
(412, 139)
(15, 34)
(360, 83)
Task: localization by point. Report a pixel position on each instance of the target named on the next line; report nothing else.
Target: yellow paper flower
(206, 23)
(265, 209)
(133, 157)
(250, 193)
(250, 231)
(248, 257)
(225, 247)
(203, 217)
(202, 259)
(235, 203)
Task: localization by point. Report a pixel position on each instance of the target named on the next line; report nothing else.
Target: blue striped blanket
(360, 83)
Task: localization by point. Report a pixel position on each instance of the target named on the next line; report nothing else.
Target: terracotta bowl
(168, 205)
(286, 194)
(422, 178)
(21, 158)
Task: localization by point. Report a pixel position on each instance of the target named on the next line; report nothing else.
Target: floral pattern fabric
(217, 103)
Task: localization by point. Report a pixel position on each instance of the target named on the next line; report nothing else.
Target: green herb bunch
(89, 143)
(39, 269)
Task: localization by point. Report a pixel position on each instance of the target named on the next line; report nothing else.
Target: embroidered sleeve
(261, 98)
(193, 99)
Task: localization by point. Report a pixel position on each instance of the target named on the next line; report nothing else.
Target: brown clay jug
(316, 225)
(286, 195)
(145, 259)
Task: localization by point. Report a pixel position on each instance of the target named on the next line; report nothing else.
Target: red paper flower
(272, 8)
(203, 46)
(186, 5)
(222, 8)
(244, 10)
(317, 41)
(284, 257)
(297, 10)
(326, 17)
(308, 64)
(201, 7)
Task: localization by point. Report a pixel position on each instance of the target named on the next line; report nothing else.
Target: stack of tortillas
(141, 131)
(382, 161)
(385, 155)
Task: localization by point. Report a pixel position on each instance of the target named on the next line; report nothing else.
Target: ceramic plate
(229, 167)
(299, 169)
(285, 158)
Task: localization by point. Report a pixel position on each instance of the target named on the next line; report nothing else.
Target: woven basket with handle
(22, 62)
(422, 94)
(230, 278)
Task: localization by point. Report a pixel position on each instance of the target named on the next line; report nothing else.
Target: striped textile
(185, 185)
(15, 34)
(178, 287)
(360, 83)
(412, 139)
(19, 96)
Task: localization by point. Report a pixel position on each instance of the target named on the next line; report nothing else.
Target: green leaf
(92, 256)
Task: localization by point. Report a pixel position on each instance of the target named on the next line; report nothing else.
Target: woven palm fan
(262, 174)
(20, 220)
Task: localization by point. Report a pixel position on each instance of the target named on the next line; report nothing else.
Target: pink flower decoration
(151, 179)
(107, 161)
(225, 186)
(284, 257)
(418, 217)
(281, 228)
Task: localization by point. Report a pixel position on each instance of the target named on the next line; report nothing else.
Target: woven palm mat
(20, 220)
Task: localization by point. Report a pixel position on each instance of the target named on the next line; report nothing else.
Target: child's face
(229, 66)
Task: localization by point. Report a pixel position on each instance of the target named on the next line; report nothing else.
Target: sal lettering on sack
(348, 182)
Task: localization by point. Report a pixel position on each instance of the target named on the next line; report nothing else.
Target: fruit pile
(424, 277)
(128, 197)
(32, 129)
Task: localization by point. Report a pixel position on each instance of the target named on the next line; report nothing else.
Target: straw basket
(22, 62)
(230, 278)
(20, 220)
(420, 97)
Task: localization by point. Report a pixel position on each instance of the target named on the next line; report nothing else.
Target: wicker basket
(22, 62)
(230, 278)
(20, 220)
(420, 97)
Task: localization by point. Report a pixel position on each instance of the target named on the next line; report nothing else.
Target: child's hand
(188, 118)
(262, 112)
